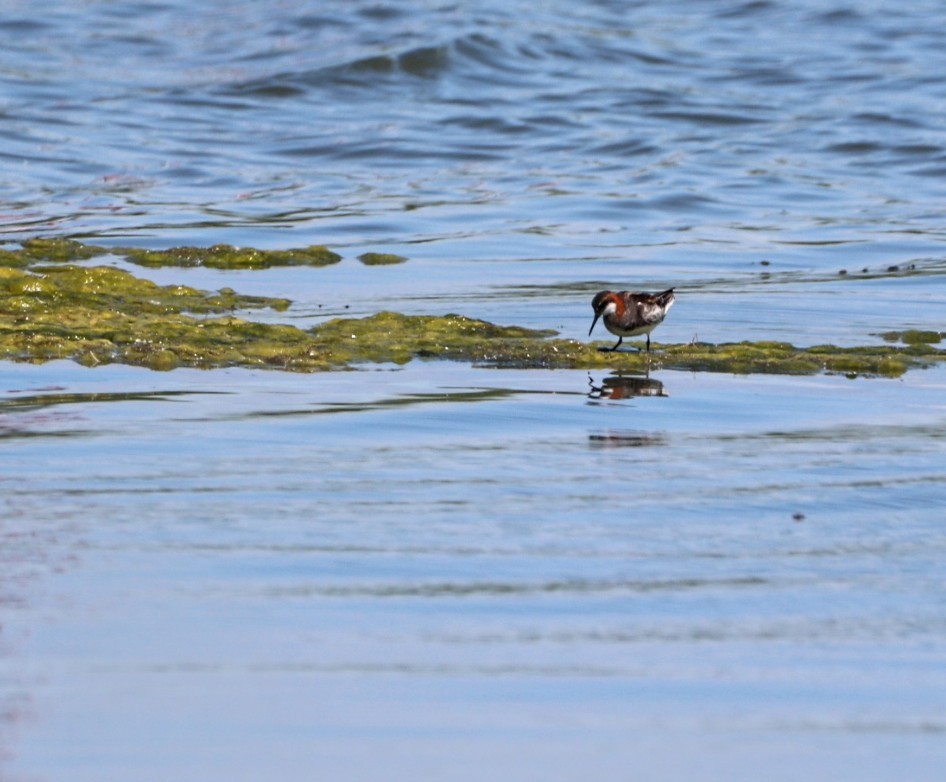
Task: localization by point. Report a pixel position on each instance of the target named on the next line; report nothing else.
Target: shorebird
(630, 314)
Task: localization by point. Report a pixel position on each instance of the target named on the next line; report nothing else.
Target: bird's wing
(650, 312)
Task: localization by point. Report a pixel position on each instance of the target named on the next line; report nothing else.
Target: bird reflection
(623, 386)
(618, 439)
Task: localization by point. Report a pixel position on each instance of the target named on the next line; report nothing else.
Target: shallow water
(230, 575)
(441, 571)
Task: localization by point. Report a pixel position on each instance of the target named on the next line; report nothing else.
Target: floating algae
(224, 256)
(913, 337)
(381, 259)
(54, 251)
(218, 256)
(51, 308)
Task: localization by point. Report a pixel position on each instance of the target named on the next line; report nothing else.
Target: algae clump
(392, 337)
(913, 337)
(225, 256)
(97, 315)
(218, 256)
(58, 250)
(381, 259)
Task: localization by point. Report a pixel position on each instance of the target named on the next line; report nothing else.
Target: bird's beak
(597, 315)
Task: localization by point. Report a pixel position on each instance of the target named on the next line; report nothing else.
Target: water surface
(440, 571)
(238, 574)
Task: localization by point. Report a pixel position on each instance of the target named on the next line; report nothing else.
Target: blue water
(439, 571)
(522, 155)
(447, 571)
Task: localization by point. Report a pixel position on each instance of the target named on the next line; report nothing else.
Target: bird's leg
(648, 343)
(611, 350)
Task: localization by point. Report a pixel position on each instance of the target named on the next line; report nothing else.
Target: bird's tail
(666, 298)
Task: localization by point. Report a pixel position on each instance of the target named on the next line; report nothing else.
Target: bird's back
(650, 307)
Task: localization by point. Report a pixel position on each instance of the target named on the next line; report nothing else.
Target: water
(522, 156)
(446, 571)
(413, 570)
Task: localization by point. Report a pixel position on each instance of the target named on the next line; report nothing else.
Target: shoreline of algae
(52, 309)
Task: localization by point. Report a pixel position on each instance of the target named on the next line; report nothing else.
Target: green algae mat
(53, 308)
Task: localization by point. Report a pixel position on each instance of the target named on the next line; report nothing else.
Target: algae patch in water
(913, 337)
(381, 259)
(51, 308)
(224, 256)
(49, 250)
(392, 337)
(102, 314)
(219, 256)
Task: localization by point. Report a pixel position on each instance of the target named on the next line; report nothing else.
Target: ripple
(497, 589)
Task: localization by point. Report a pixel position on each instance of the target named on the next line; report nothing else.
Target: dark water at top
(443, 572)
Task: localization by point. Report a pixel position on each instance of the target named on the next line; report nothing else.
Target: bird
(629, 313)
